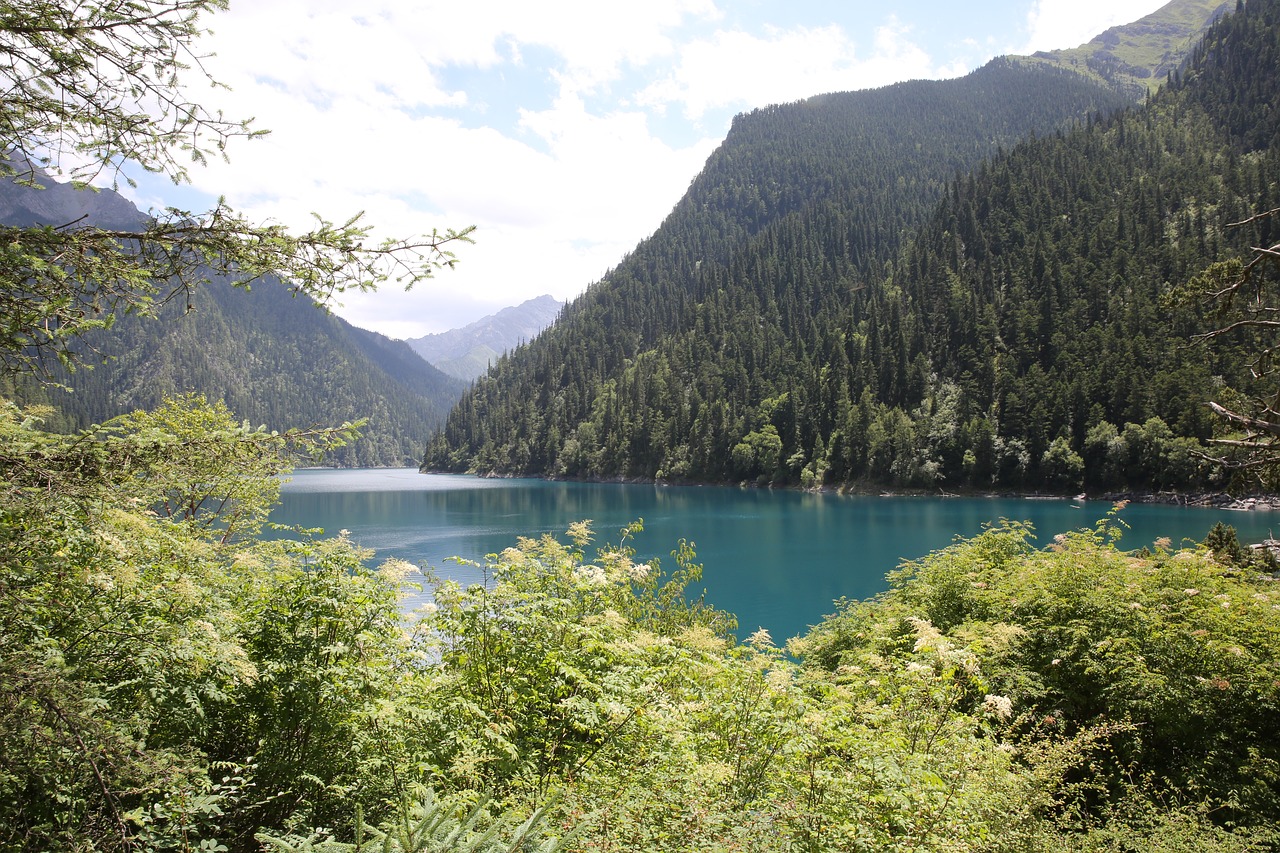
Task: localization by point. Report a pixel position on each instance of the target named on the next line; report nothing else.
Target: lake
(777, 559)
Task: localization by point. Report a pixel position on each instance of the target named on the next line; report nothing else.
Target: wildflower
(779, 679)
(927, 636)
(1191, 592)
(395, 569)
(761, 639)
(1000, 707)
(580, 532)
(594, 575)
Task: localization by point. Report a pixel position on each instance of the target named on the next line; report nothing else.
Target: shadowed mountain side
(60, 204)
(275, 359)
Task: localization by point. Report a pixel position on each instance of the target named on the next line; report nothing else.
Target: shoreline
(1208, 500)
(1254, 502)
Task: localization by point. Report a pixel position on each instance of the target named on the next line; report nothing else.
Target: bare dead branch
(1255, 218)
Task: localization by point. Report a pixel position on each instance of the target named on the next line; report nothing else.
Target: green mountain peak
(1136, 58)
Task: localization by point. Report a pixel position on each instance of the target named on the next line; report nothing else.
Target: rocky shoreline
(1213, 500)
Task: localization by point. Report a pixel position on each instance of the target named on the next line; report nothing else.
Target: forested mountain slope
(778, 327)
(273, 358)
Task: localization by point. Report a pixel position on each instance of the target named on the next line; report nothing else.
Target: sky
(564, 130)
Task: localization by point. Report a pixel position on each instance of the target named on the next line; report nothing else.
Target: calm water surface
(777, 559)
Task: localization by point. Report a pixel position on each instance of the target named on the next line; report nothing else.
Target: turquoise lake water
(777, 559)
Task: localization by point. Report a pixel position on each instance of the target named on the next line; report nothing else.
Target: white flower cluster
(928, 638)
(999, 707)
(102, 581)
(396, 570)
(593, 575)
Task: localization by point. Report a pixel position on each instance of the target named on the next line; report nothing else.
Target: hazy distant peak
(467, 352)
(62, 204)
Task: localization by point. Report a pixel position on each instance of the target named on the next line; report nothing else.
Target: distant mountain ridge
(61, 204)
(273, 358)
(1136, 58)
(466, 353)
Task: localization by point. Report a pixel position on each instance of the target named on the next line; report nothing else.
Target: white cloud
(323, 45)
(596, 40)
(549, 221)
(1062, 24)
(736, 68)
(360, 122)
(320, 51)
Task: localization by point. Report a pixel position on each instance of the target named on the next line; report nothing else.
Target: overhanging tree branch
(1242, 296)
(58, 283)
(104, 83)
(1251, 423)
(91, 86)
